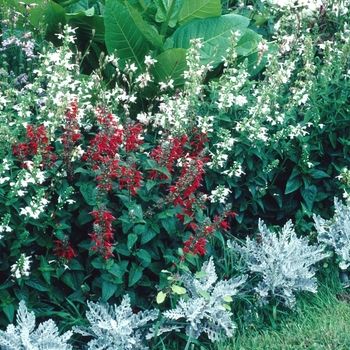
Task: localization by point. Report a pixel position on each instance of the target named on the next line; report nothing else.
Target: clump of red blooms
(104, 153)
(188, 153)
(71, 134)
(170, 151)
(64, 250)
(37, 142)
(102, 235)
(195, 244)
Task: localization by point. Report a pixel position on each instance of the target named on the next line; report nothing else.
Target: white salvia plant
(283, 262)
(335, 233)
(23, 336)
(116, 327)
(206, 309)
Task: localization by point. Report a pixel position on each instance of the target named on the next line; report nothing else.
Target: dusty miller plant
(23, 336)
(206, 309)
(116, 327)
(283, 262)
(335, 233)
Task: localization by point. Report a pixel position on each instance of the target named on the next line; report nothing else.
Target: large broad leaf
(53, 18)
(214, 32)
(148, 31)
(122, 36)
(168, 11)
(170, 65)
(199, 9)
(247, 42)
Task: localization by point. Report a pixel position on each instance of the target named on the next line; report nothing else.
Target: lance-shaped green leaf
(199, 9)
(215, 33)
(148, 31)
(168, 11)
(122, 36)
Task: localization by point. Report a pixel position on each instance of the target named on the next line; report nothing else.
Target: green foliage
(115, 167)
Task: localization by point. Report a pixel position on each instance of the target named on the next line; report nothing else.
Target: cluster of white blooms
(22, 267)
(231, 83)
(222, 147)
(220, 194)
(4, 167)
(205, 123)
(235, 170)
(36, 206)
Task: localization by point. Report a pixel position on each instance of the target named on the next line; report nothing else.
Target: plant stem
(167, 19)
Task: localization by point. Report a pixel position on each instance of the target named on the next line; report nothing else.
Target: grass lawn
(321, 321)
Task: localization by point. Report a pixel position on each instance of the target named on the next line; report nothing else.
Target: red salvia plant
(37, 142)
(64, 250)
(71, 134)
(102, 236)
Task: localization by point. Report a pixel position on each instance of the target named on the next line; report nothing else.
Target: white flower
(219, 195)
(241, 100)
(22, 267)
(149, 61)
(4, 179)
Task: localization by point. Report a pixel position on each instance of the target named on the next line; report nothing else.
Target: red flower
(64, 250)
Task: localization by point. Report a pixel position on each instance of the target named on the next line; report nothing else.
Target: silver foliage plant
(23, 336)
(116, 327)
(206, 308)
(335, 233)
(283, 263)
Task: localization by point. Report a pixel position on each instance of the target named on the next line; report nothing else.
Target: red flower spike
(64, 250)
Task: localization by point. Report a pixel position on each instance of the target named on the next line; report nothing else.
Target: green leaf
(135, 274)
(247, 42)
(45, 269)
(200, 274)
(9, 311)
(73, 279)
(84, 216)
(144, 256)
(228, 299)
(148, 236)
(89, 192)
(170, 65)
(132, 239)
(178, 290)
(309, 195)
(199, 9)
(215, 33)
(37, 284)
(319, 174)
(293, 185)
(148, 31)
(160, 297)
(122, 36)
(170, 225)
(168, 11)
(204, 294)
(108, 289)
(53, 15)
(294, 182)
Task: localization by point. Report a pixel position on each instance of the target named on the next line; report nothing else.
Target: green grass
(321, 321)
